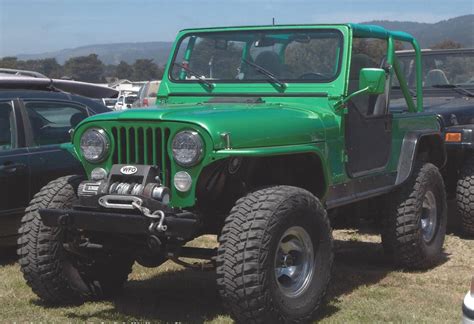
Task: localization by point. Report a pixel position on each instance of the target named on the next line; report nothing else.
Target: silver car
(468, 306)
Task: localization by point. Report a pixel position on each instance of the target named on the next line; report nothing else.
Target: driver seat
(436, 77)
(270, 61)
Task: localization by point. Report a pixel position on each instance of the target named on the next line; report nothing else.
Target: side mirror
(373, 80)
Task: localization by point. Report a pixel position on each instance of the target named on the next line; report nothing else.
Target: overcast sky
(36, 26)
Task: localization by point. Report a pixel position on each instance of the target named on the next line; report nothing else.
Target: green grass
(365, 288)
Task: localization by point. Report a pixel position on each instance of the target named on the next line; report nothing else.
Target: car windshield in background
(110, 101)
(259, 56)
(441, 70)
(130, 99)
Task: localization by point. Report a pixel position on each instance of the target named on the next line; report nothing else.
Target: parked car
(448, 91)
(468, 306)
(258, 159)
(34, 124)
(109, 102)
(125, 102)
(147, 94)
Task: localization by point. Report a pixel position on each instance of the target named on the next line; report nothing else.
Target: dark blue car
(36, 118)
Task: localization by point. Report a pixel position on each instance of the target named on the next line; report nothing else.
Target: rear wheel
(54, 274)
(465, 196)
(275, 256)
(415, 224)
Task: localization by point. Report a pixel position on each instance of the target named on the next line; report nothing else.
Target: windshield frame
(436, 52)
(339, 33)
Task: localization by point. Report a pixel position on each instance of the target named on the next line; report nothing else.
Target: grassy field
(365, 288)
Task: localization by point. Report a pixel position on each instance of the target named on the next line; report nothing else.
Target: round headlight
(94, 145)
(187, 148)
(182, 181)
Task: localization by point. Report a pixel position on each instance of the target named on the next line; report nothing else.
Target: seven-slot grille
(142, 145)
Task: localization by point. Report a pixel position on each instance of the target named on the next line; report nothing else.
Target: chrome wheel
(294, 261)
(429, 216)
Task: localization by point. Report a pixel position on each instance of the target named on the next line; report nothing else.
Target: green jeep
(258, 133)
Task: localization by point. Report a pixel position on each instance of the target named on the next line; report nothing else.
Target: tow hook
(157, 218)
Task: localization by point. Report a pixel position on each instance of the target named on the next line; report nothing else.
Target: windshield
(441, 69)
(259, 56)
(130, 99)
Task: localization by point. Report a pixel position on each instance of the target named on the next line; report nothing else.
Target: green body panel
(404, 123)
(301, 118)
(249, 125)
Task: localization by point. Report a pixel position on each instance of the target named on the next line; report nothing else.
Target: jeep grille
(142, 145)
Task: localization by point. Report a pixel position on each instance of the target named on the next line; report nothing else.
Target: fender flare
(410, 148)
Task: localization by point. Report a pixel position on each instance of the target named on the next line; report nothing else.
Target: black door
(14, 172)
(368, 124)
(368, 138)
(50, 123)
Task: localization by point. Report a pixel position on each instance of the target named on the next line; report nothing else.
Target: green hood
(249, 125)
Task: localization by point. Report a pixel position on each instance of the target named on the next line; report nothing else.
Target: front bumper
(180, 226)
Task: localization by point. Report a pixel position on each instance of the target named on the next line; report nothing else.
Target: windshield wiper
(265, 72)
(455, 87)
(198, 77)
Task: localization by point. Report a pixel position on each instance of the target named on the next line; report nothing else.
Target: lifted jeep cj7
(259, 131)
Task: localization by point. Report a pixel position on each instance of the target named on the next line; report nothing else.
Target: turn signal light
(452, 137)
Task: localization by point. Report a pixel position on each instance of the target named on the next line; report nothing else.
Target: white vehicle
(125, 102)
(468, 306)
(147, 94)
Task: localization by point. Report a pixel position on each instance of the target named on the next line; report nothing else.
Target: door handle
(11, 167)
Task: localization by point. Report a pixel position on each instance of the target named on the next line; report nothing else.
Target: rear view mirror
(373, 80)
(220, 44)
(301, 38)
(265, 42)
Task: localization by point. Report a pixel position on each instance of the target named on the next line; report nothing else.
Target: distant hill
(459, 29)
(111, 53)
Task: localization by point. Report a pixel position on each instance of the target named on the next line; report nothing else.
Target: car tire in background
(465, 196)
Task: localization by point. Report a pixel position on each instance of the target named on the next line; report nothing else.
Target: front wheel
(415, 222)
(275, 256)
(54, 274)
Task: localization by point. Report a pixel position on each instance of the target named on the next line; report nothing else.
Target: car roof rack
(91, 90)
(22, 73)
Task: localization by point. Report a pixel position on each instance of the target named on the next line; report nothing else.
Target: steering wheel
(313, 76)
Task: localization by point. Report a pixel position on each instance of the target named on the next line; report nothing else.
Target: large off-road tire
(415, 222)
(275, 256)
(465, 196)
(55, 275)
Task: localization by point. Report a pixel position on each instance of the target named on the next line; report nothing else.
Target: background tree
(88, 68)
(49, 67)
(9, 62)
(146, 69)
(85, 68)
(123, 70)
(446, 44)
